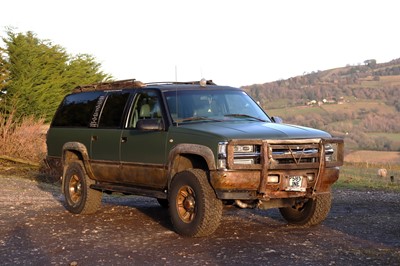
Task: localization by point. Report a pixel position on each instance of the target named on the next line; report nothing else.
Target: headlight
(243, 148)
(222, 149)
(246, 154)
(222, 155)
(334, 152)
(330, 152)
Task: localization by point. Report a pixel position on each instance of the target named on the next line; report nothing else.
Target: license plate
(295, 183)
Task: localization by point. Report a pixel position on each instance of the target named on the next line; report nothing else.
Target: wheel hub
(186, 204)
(75, 189)
(189, 203)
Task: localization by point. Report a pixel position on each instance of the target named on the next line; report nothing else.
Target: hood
(254, 130)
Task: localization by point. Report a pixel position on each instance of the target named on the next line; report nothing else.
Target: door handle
(94, 138)
(124, 139)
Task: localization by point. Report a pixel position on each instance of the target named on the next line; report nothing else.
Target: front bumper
(245, 184)
(304, 159)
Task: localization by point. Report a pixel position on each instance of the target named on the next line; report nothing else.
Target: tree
(370, 62)
(41, 74)
(4, 73)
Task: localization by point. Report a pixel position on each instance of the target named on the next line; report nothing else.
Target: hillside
(360, 103)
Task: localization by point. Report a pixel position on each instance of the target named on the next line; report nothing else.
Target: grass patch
(295, 111)
(278, 104)
(390, 136)
(365, 176)
(357, 106)
(380, 159)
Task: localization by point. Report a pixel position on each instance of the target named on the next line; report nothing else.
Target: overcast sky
(232, 42)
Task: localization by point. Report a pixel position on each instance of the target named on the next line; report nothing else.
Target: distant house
(330, 101)
(311, 102)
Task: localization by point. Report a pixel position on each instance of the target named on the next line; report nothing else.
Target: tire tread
(316, 213)
(212, 214)
(92, 198)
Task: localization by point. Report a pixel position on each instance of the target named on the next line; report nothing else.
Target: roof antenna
(176, 95)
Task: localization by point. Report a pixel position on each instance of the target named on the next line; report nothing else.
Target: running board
(130, 190)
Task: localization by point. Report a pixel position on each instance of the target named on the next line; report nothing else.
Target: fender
(195, 149)
(82, 150)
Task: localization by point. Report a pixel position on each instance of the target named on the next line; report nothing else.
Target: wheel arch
(76, 151)
(186, 156)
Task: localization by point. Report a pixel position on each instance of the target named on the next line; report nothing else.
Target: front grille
(295, 154)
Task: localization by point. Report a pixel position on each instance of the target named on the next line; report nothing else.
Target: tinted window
(76, 110)
(111, 116)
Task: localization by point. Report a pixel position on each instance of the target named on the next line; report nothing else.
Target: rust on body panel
(329, 176)
(282, 158)
(140, 174)
(250, 180)
(106, 171)
(235, 180)
(146, 175)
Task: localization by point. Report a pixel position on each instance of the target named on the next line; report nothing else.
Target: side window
(145, 109)
(111, 115)
(76, 109)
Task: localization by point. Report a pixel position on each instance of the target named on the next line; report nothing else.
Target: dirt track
(35, 229)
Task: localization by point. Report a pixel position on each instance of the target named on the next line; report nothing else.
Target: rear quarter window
(76, 110)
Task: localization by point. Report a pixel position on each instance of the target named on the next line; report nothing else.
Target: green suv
(194, 146)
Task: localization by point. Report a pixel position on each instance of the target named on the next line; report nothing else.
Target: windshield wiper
(196, 118)
(245, 116)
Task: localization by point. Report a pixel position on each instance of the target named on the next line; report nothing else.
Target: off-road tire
(194, 208)
(79, 197)
(313, 212)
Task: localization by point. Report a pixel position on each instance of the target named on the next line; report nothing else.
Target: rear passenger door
(106, 136)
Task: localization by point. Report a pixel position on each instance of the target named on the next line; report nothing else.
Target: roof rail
(197, 82)
(112, 85)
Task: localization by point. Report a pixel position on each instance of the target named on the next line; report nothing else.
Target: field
(383, 81)
(361, 170)
(292, 111)
(363, 176)
(382, 158)
(353, 106)
(357, 106)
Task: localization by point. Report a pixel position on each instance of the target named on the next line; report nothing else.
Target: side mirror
(277, 119)
(150, 124)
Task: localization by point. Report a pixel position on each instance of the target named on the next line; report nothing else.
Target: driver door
(143, 142)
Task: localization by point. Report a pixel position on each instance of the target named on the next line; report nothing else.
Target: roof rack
(131, 83)
(112, 85)
(197, 82)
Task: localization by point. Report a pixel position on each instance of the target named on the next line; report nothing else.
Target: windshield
(213, 105)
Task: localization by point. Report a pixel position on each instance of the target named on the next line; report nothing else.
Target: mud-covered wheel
(194, 208)
(79, 197)
(313, 212)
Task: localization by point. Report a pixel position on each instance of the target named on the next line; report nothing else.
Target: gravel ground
(363, 228)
